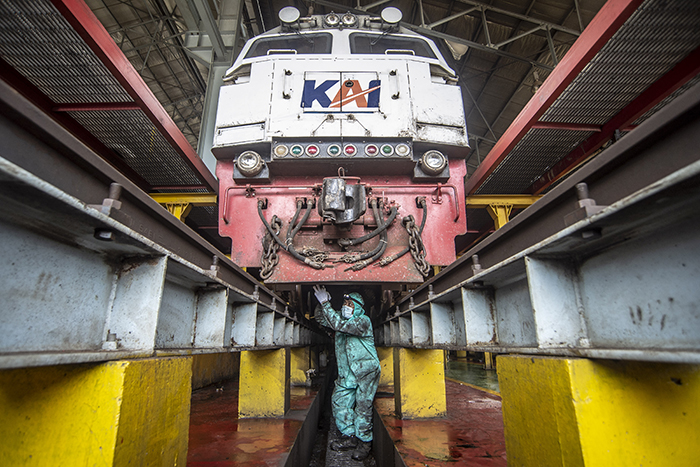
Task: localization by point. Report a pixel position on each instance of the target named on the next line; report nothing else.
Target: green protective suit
(358, 369)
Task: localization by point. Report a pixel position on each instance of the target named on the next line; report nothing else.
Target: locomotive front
(340, 144)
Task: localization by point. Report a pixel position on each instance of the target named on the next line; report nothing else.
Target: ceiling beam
(439, 35)
(608, 20)
(89, 28)
(680, 74)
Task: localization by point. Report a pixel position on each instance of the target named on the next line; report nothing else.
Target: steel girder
(94, 269)
(606, 270)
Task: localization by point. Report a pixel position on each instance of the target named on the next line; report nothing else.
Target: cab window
(384, 44)
(292, 44)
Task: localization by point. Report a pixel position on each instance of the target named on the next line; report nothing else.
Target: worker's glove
(321, 294)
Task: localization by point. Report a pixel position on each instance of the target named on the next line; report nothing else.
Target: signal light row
(347, 150)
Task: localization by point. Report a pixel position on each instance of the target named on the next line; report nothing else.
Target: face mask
(347, 311)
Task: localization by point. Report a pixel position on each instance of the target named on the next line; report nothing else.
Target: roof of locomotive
(365, 24)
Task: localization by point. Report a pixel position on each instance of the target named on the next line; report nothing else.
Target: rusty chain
(270, 259)
(416, 247)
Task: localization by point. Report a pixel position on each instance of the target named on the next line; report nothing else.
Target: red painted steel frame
(608, 20)
(86, 24)
(662, 88)
(239, 220)
(24, 87)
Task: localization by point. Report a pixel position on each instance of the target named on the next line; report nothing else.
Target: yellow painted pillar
(386, 359)
(299, 365)
(419, 383)
(488, 361)
(264, 383)
(133, 412)
(580, 412)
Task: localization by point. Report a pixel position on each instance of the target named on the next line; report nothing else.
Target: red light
(350, 150)
(312, 150)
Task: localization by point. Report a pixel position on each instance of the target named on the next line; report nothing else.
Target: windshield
(297, 43)
(384, 44)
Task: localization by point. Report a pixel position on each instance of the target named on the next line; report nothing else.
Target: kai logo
(341, 92)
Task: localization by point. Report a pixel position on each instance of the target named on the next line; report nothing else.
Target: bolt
(115, 191)
(582, 190)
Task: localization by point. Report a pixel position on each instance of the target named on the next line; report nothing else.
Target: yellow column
(579, 412)
(386, 359)
(110, 414)
(264, 383)
(419, 383)
(299, 365)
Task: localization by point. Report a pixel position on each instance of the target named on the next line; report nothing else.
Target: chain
(270, 259)
(416, 247)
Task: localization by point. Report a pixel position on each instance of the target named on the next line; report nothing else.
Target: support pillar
(386, 360)
(133, 412)
(580, 412)
(300, 364)
(419, 383)
(488, 361)
(264, 383)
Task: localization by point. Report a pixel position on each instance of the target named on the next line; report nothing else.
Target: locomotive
(340, 142)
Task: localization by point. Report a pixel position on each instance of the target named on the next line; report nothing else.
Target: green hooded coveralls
(358, 369)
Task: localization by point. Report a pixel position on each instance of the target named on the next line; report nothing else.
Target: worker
(358, 371)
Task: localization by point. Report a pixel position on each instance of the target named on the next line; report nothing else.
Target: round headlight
(289, 15)
(250, 163)
(331, 20)
(433, 162)
(349, 19)
(391, 15)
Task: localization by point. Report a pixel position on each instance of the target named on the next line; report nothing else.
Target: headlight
(331, 20)
(433, 162)
(349, 20)
(250, 163)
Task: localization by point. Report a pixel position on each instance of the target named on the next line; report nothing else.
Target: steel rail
(40, 145)
(662, 145)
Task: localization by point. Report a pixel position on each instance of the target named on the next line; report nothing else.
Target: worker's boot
(362, 450)
(345, 443)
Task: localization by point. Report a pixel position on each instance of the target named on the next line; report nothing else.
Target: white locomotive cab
(364, 81)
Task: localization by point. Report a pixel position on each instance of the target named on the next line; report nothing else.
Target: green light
(386, 149)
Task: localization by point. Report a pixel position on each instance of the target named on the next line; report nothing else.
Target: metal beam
(208, 24)
(516, 201)
(89, 28)
(551, 284)
(680, 74)
(529, 19)
(21, 85)
(195, 199)
(608, 20)
(439, 35)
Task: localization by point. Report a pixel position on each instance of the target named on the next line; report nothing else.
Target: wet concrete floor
(473, 374)
(219, 438)
(471, 433)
